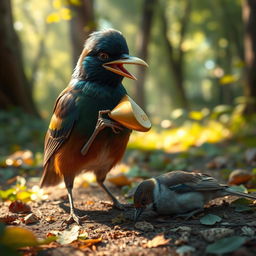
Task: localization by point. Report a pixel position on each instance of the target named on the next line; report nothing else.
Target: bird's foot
(74, 218)
(103, 122)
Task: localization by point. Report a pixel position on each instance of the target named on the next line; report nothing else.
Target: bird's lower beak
(138, 212)
(116, 66)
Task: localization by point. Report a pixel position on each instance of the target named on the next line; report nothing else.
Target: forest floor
(226, 226)
(121, 236)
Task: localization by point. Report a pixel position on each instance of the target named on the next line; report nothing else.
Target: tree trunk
(142, 46)
(175, 54)
(81, 25)
(249, 16)
(15, 90)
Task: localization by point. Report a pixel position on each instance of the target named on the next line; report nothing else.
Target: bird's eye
(103, 56)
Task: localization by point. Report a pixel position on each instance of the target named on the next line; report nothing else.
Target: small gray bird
(179, 192)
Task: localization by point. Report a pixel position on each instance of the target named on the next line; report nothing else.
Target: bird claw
(103, 122)
(74, 218)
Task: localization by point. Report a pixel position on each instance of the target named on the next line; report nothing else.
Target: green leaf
(210, 219)
(241, 201)
(226, 245)
(242, 205)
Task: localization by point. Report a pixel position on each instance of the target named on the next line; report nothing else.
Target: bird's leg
(116, 203)
(101, 124)
(72, 216)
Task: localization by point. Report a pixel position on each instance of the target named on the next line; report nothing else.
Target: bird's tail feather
(49, 177)
(240, 194)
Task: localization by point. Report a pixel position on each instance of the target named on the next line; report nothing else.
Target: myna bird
(81, 135)
(179, 193)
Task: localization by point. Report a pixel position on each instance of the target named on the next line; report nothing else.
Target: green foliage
(210, 219)
(226, 245)
(20, 130)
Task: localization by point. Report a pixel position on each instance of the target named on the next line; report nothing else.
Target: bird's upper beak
(116, 66)
(138, 212)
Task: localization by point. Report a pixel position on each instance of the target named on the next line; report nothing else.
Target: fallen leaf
(210, 219)
(20, 158)
(8, 219)
(16, 237)
(50, 219)
(89, 202)
(226, 245)
(242, 205)
(239, 176)
(82, 244)
(213, 234)
(68, 236)
(30, 219)
(158, 240)
(185, 250)
(120, 180)
(83, 234)
(19, 207)
(144, 226)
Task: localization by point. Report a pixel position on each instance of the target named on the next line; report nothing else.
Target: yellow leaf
(75, 2)
(53, 17)
(57, 4)
(196, 115)
(65, 13)
(156, 241)
(16, 237)
(228, 79)
(120, 180)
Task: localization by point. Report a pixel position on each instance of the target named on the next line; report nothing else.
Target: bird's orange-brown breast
(105, 152)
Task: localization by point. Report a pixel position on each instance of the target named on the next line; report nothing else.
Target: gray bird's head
(144, 197)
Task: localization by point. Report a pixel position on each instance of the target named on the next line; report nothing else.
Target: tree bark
(249, 17)
(15, 90)
(175, 54)
(142, 46)
(81, 25)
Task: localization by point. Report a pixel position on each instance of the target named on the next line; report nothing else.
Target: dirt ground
(118, 231)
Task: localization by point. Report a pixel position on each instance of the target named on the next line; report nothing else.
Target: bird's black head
(103, 57)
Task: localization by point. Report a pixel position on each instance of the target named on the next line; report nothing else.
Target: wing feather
(62, 122)
(189, 181)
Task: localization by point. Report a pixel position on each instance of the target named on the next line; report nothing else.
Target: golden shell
(130, 115)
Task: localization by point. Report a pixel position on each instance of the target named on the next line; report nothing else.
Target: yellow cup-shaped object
(130, 115)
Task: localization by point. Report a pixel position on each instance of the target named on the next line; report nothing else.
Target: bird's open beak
(138, 212)
(116, 66)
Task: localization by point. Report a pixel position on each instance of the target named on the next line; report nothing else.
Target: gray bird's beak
(138, 212)
(116, 66)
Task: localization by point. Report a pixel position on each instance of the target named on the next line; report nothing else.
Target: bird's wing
(181, 181)
(63, 120)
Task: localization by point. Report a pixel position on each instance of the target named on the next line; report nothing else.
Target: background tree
(82, 24)
(175, 52)
(15, 89)
(143, 41)
(249, 16)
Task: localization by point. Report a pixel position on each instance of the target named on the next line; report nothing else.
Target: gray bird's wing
(181, 181)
